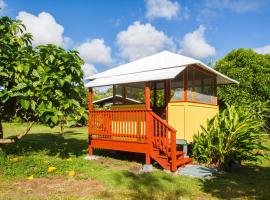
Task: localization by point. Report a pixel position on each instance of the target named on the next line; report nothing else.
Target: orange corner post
(148, 123)
(90, 116)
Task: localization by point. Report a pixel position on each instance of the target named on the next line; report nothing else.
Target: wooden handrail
(164, 138)
(163, 121)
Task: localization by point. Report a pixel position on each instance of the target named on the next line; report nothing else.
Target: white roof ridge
(138, 72)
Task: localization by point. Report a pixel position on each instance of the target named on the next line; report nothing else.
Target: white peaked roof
(160, 66)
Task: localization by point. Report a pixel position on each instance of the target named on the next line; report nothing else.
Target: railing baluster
(128, 123)
(118, 123)
(138, 124)
(131, 123)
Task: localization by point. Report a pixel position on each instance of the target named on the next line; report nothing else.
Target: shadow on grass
(150, 186)
(64, 147)
(53, 145)
(252, 182)
(121, 155)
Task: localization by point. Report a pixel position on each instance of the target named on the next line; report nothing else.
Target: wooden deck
(139, 131)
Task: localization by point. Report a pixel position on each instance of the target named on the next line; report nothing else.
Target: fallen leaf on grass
(30, 177)
(71, 173)
(15, 159)
(51, 169)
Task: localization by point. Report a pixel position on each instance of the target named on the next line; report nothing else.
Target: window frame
(193, 68)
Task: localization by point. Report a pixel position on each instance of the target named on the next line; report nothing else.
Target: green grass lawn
(24, 172)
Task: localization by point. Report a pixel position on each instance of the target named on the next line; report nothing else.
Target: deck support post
(114, 89)
(173, 151)
(186, 85)
(147, 159)
(168, 97)
(147, 96)
(148, 124)
(90, 109)
(124, 94)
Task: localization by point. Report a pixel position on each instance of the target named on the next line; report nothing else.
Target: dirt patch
(119, 164)
(44, 188)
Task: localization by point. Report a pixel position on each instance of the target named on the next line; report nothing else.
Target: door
(159, 98)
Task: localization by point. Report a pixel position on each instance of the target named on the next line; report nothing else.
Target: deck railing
(139, 125)
(118, 123)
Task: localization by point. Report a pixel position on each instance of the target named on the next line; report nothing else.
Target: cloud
(95, 51)
(88, 70)
(140, 40)
(162, 8)
(3, 6)
(207, 14)
(195, 45)
(211, 9)
(44, 28)
(239, 6)
(263, 50)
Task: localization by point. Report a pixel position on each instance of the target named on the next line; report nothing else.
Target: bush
(2, 156)
(230, 137)
(252, 70)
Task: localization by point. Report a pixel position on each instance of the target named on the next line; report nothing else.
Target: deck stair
(141, 131)
(166, 162)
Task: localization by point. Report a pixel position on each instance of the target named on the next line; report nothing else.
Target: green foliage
(61, 82)
(15, 53)
(2, 157)
(230, 137)
(43, 84)
(252, 70)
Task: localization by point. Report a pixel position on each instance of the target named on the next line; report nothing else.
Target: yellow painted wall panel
(176, 118)
(187, 117)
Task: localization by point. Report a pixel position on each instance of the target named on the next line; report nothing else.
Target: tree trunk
(18, 137)
(62, 125)
(1, 130)
(62, 128)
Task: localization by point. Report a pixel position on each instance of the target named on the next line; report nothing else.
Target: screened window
(201, 86)
(119, 94)
(177, 85)
(161, 97)
(158, 97)
(135, 93)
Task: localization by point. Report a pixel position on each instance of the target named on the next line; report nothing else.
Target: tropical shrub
(252, 70)
(230, 137)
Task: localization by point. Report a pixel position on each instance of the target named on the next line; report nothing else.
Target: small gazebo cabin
(175, 95)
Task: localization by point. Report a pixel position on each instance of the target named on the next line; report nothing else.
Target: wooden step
(183, 161)
(162, 157)
(165, 162)
(179, 153)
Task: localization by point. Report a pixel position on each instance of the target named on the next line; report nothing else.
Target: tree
(252, 70)
(44, 84)
(15, 52)
(62, 85)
